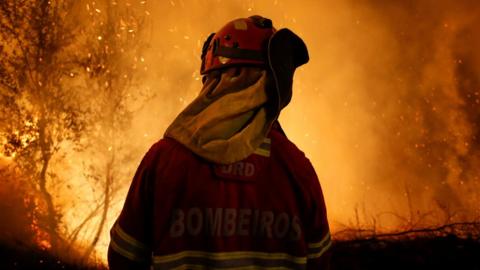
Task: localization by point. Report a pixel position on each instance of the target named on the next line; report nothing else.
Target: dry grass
(451, 246)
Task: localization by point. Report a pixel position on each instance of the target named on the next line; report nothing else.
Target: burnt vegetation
(450, 246)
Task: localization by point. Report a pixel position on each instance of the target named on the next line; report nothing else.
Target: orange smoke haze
(387, 109)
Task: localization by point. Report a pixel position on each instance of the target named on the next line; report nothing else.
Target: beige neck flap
(228, 120)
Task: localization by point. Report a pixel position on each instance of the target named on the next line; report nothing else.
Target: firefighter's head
(241, 42)
(253, 42)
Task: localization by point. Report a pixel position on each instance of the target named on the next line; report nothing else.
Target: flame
(20, 211)
(41, 238)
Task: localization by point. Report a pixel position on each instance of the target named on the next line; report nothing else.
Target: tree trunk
(51, 216)
(106, 205)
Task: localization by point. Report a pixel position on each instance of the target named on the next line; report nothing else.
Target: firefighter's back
(252, 213)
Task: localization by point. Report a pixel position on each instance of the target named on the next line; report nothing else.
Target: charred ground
(31, 258)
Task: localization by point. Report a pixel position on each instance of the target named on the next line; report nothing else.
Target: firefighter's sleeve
(130, 236)
(317, 229)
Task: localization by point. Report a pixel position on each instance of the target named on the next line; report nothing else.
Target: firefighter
(225, 188)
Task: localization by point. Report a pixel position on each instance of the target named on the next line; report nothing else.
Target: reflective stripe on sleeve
(253, 267)
(127, 246)
(230, 260)
(316, 249)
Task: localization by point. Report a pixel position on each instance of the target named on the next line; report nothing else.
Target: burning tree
(40, 108)
(66, 85)
(113, 61)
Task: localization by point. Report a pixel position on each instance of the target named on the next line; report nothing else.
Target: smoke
(418, 92)
(387, 109)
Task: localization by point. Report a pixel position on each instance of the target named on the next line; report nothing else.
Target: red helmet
(241, 41)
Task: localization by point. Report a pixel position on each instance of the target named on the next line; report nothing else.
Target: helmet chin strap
(239, 53)
(205, 47)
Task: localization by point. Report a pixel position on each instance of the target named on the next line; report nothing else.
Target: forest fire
(41, 238)
(387, 110)
(21, 209)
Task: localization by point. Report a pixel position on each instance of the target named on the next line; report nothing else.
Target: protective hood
(228, 120)
(286, 51)
(237, 106)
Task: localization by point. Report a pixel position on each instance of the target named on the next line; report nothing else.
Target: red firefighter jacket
(264, 212)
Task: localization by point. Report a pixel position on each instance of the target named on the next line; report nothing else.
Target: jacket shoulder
(166, 146)
(165, 151)
(294, 159)
(284, 147)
